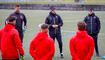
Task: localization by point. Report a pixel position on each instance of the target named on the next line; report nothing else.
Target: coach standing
(20, 18)
(93, 27)
(55, 22)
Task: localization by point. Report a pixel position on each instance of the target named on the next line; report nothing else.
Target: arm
(98, 25)
(72, 50)
(85, 19)
(18, 43)
(0, 40)
(91, 51)
(25, 20)
(52, 50)
(32, 51)
(47, 22)
(60, 22)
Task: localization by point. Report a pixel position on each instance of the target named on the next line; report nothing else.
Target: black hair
(11, 19)
(17, 6)
(52, 8)
(91, 9)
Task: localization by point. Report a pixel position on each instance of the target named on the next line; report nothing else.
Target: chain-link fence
(45, 6)
(52, 0)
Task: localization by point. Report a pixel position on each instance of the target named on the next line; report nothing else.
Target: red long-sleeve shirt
(81, 46)
(42, 47)
(10, 43)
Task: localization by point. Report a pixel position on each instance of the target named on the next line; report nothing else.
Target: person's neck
(43, 31)
(11, 24)
(17, 11)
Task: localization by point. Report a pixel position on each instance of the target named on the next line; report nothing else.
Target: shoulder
(1, 30)
(97, 17)
(22, 14)
(12, 14)
(50, 40)
(87, 16)
(14, 31)
(73, 38)
(57, 15)
(49, 16)
(90, 38)
(34, 40)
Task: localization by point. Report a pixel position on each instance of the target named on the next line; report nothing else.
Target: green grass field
(70, 19)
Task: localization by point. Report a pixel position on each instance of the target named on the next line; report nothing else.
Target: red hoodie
(10, 43)
(81, 46)
(42, 47)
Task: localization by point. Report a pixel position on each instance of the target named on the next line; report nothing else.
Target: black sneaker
(61, 55)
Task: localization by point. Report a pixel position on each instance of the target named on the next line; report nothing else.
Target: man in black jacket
(93, 27)
(55, 22)
(20, 18)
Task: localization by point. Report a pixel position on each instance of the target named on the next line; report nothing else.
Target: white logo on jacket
(21, 17)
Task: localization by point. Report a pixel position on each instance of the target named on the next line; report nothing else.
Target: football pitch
(70, 19)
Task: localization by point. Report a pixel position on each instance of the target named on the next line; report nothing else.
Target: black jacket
(53, 19)
(93, 24)
(20, 18)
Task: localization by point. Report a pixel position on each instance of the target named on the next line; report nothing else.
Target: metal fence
(52, 1)
(98, 6)
(16, 1)
(33, 0)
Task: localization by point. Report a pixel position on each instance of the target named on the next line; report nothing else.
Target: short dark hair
(52, 8)
(81, 25)
(91, 9)
(44, 26)
(17, 6)
(11, 19)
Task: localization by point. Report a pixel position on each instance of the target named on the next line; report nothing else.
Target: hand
(22, 58)
(55, 26)
(24, 29)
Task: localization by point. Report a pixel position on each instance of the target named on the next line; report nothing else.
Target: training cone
(103, 57)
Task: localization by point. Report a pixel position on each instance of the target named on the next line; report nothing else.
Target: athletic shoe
(61, 55)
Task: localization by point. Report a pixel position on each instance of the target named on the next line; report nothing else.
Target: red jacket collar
(41, 36)
(81, 34)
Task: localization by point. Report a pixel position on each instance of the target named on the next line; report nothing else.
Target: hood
(8, 27)
(91, 14)
(41, 36)
(81, 34)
